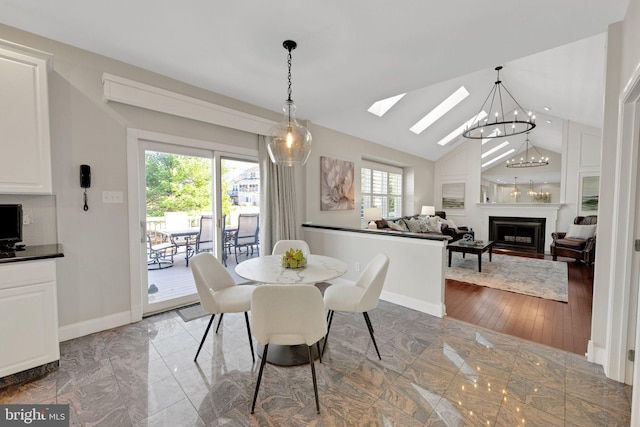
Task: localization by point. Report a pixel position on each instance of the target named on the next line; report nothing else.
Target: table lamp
(371, 215)
(428, 211)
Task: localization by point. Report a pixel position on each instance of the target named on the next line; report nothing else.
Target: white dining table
(267, 270)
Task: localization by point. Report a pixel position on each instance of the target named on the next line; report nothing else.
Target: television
(10, 226)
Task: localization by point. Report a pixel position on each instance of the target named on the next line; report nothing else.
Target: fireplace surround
(518, 233)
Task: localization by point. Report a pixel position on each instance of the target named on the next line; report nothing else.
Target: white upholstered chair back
(210, 276)
(283, 246)
(372, 280)
(288, 314)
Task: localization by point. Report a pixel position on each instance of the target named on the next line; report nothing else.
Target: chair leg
(315, 383)
(255, 395)
(366, 319)
(204, 337)
(219, 321)
(319, 352)
(326, 337)
(246, 319)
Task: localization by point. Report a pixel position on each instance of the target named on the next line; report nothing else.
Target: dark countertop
(384, 231)
(32, 252)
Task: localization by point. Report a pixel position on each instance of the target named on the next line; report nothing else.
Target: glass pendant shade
(288, 142)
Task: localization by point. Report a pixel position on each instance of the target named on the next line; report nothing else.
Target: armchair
(578, 243)
(454, 233)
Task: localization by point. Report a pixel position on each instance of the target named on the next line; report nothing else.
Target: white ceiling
(353, 53)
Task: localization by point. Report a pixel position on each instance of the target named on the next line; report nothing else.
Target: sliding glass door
(178, 210)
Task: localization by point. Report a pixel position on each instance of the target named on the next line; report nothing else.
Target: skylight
(379, 108)
(499, 157)
(493, 134)
(494, 149)
(447, 139)
(443, 108)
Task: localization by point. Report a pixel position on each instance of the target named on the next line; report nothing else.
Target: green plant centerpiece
(293, 258)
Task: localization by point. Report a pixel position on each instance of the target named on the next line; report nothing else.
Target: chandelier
(504, 124)
(515, 192)
(531, 192)
(526, 161)
(288, 142)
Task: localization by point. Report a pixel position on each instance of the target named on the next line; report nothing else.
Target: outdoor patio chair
(160, 253)
(204, 241)
(247, 234)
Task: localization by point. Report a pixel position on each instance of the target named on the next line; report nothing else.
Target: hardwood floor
(566, 326)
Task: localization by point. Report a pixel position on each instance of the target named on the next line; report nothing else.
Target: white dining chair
(361, 297)
(219, 293)
(288, 315)
(283, 246)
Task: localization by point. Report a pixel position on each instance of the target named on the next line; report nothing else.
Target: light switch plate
(112, 197)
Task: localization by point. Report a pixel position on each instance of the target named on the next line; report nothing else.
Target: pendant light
(526, 161)
(288, 142)
(507, 125)
(531, 192)
(515, 192)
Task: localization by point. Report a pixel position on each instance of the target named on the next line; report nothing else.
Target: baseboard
(92, 326)
(436, 310)
(596, 354)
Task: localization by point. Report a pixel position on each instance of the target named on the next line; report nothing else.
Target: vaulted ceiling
(353, 53)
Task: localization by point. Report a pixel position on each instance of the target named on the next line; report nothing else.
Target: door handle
(143, 232)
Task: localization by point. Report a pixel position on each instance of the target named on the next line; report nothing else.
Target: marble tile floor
(434, 372)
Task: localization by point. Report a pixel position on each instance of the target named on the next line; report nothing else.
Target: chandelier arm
(514, 100)
(502, 121)
(536, 150)
(492, 91)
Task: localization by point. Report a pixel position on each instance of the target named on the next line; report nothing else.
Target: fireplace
(517, 233)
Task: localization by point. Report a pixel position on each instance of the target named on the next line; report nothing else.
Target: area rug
(192, 312)
(530, 276)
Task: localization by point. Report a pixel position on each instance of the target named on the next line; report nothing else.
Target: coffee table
(467, 248)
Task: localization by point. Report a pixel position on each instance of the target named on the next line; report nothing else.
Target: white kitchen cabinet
(28, 315)
(25, 163)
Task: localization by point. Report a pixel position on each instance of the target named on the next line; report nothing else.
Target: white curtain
(277, 201)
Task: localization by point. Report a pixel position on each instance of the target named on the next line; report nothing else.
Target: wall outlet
(27, 217)
(112, 197)
(356, 267)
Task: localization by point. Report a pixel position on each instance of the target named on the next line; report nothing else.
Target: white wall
(418, 174)
(415, 278)
(460, 165)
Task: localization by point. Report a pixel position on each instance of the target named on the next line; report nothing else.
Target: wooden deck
(177, 281)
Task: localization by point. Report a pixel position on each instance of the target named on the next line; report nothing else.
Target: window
(381, 186)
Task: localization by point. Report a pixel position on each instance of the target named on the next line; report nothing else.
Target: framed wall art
(453, 196)
(589, 194)
(336, 184)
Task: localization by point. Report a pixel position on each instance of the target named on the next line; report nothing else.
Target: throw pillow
(434, 225)
(577, 231)
(382, 223)
(394, 226)
(402, 224)
(450, 224)
(413, 225)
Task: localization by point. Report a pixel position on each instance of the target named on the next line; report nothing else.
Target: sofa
(438, 224)
(455, 233)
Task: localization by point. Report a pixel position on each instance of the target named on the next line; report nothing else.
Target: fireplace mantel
(551, 206)
(549, 211)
